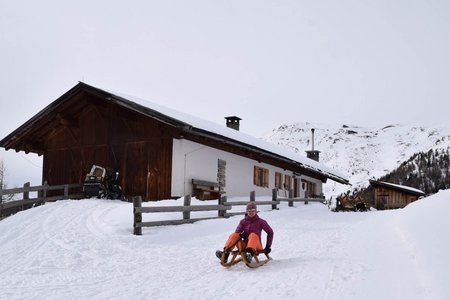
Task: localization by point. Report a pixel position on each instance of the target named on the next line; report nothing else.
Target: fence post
(44, 192)
(252, 196)
(291, 195)
(274, 198)
(66, 191)
(187, 202)
(222, 200)
(26, 191)
(137, 203)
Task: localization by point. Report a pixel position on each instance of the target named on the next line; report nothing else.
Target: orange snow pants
(253, 242)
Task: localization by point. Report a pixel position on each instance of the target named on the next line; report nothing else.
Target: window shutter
(287, 182)
(266, 178)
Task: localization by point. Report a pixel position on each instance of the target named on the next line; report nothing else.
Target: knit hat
(251, 205)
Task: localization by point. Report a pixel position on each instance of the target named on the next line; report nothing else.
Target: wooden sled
(239, 254)
(256, 262)
(233, 258)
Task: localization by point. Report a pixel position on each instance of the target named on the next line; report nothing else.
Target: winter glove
(243, 235)
(267, 250)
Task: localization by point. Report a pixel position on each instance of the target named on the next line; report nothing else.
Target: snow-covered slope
(86, 250)
(361, 153)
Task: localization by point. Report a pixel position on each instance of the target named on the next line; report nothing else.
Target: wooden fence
(58, 192)
(222, 207)
(291, 199)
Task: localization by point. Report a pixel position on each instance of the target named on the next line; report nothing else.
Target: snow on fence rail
(8, 208)
(222, 207)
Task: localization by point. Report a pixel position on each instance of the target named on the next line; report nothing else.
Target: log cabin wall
(103, 133)
(387, 198)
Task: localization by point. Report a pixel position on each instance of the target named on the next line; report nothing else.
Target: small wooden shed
(390, 196)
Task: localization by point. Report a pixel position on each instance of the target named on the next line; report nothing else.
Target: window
(278, 180)
(261, 177)
(311, 187)
(287, 182)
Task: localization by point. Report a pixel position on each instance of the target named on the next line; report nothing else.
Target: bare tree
(3, 184)
(2, 174)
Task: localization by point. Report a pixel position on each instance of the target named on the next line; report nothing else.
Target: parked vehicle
(102, 183)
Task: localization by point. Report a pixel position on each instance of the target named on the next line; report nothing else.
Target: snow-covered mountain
(361, 153)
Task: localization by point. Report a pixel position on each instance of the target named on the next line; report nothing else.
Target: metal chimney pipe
(312, 154)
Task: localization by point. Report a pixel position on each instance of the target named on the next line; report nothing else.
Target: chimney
(312, 154)
(233, 122)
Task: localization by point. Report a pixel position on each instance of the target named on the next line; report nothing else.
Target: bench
(205, 190)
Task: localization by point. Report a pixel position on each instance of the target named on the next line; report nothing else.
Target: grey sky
(368, 63)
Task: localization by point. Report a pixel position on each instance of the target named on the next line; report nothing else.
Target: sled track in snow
(65, 251)
(12, 240)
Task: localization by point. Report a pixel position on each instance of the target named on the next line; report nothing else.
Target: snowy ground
(86, 250)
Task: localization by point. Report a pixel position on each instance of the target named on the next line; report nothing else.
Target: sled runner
(239, 254)
(255, 262)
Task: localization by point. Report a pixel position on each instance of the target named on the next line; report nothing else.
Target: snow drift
(86, 250)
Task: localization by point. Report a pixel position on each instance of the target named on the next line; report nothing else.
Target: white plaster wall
(192, 160)
(318, 185)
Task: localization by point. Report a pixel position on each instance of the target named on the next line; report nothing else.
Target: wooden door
(147, 170)
(154, 172)
(135, 171)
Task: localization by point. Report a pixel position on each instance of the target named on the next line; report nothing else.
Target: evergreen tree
(427, 171)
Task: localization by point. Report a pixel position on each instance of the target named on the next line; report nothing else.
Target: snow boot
(219, 255)
(249, 255)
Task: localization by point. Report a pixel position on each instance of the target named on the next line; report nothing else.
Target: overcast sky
(368, 63)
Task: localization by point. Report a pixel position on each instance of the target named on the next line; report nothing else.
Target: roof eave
(375, 183)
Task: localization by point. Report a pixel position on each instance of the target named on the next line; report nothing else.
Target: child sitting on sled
(249, 229)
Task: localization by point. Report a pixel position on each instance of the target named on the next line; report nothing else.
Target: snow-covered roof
(399, 187)
(196, 123)
(187, 122)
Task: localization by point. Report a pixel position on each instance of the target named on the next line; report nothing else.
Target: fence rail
(180, 208)
(291, 199)
(8, 208)
(222, 208)
(304, 200)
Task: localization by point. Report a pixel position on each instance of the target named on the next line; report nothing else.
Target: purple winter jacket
(256, 225)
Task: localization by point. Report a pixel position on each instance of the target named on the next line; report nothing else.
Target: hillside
(428, 171)
(361, 153)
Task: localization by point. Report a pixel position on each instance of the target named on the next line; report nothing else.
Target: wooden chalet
(160, 153)
(390, 196)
